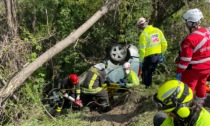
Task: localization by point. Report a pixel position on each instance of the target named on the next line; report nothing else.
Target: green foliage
(42, 23)
(33, 57)
(70, 119)
(128, 14)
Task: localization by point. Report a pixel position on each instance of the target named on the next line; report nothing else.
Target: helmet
(126, 65)
(174, 96)
(193, 15)
(74, 78)
(100, 66)
(141, 21)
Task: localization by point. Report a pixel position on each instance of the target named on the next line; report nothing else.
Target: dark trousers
(159, 118)
(101, 97)
(149, 65)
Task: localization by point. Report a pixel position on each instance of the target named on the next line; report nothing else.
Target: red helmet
(73, 78)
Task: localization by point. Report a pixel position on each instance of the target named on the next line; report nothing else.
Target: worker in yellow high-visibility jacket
(178, 106)
(152, 44)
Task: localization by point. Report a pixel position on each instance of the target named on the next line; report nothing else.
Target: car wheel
(118, 53)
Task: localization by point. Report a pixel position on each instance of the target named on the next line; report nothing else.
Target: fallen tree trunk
(21, 76)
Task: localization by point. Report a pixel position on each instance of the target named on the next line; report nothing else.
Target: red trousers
(196, 80)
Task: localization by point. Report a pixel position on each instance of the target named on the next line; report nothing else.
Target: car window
(115, 74)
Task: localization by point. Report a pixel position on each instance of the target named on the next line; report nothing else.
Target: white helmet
(100, 66)
(126, 65)
(193, 15)
(141, 21)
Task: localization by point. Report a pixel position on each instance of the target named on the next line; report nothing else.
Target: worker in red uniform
(193, 62)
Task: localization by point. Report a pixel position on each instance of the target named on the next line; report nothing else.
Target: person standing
(130, 79)
(193, 62)
(152, 44)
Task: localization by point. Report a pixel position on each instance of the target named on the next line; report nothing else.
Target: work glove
(161, 58)
(178, 76)
(78, 97)
(140, 64)
(79, 102)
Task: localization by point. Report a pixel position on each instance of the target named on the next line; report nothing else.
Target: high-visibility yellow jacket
(203, 119)
(132, 79)
(151, 41)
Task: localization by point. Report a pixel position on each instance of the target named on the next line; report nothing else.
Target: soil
(124, 112)
(128, 111)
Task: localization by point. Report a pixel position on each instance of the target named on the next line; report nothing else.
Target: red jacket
(195, 51)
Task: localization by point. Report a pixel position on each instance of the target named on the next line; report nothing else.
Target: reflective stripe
(185, 59)
(94, 70)
(204, 40)
(59, 109)
(92, 81)
(78, 91)
(91, 91)
(199, 33)
(156, 44)
(182, 66)
(200, 61)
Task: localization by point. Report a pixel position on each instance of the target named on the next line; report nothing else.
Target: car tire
(118, 53)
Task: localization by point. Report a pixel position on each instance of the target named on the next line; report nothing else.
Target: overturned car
(118, 55)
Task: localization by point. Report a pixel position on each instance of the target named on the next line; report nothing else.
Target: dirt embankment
(128, 108)
(134, 109)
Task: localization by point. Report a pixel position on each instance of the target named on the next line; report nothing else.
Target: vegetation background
(30, 27)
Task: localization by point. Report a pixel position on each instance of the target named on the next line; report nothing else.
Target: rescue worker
(92, 86)
(193, 62)
(152, 45)
(131, 79)
(71, 88)
(179, 108)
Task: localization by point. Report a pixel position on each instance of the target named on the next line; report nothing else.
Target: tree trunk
(162, 9)
(21, 76)
(11, 17)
